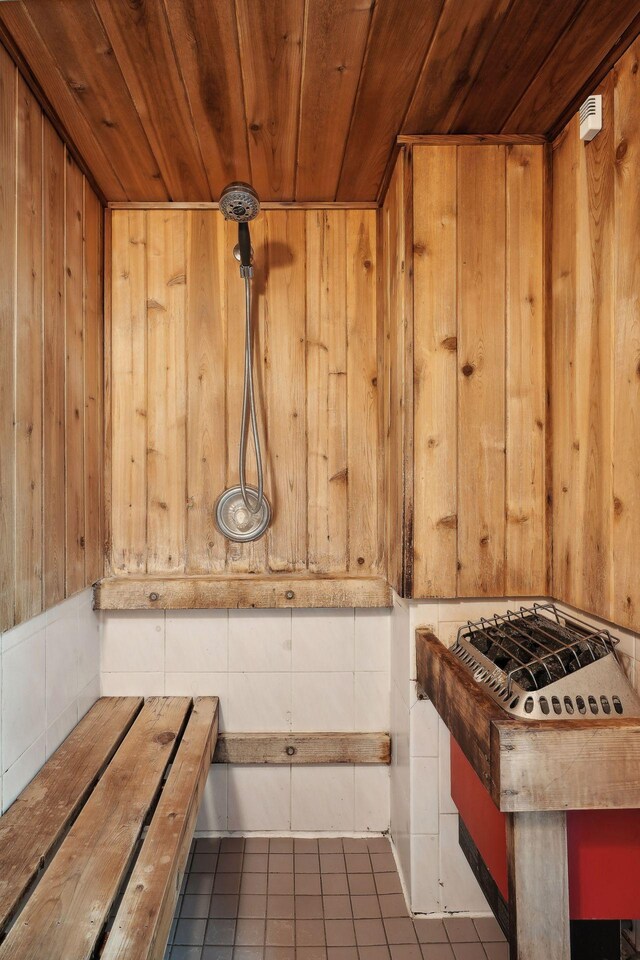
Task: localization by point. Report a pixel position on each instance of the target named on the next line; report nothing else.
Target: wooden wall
(50, 362)
(176, 364)
(596, 356)
(467, 438)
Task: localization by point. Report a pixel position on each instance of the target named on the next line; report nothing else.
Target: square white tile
(323, 701)
(61, 665)
(373, 639)
(323, 640)
(22, 772)
(23, 697)
(323, 798)
(372, 798)
(132, 684)
(259, 798)
(196, 640)
(424, 729)
(259, 641)
(425, 888)
(133, 641)
(259, 702)
(212, 815)
(372, 702)
(424, 795)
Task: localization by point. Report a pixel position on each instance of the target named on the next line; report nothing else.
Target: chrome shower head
(239, 202)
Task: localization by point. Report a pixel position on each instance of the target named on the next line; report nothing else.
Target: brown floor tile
(305, 845)
(280, 953)
(355, 845)
(186, 953)
(280, 907)
(311, 953)
(306, 863)
(228, 862)
(497, 951)
(330, 845)
(280, 933)
(248, 953)
(223, 906)
(307, 884)
(336, 908)
(461, 930)
(217, 953)
(358, 862)
(469, 951)
(400, 930)
(255, 863)
(281, 845)
(310, 933)
(308, 908)
(383, 863)
(190, 932)
(388, 883)
(250, 933)
(437, 951)
(366, 907)
(220, 932)
(332, 863)
(340, 933)
(369, 933)
(489, 930)
(203, 863)
(393, 905)
(252, 905)
(335, 884)
(280, 884)
(405, 951)
(199, 883)
(374, 952)
(253, 883)
(232, 844)
(342, 953)
(280, 862)
(378, 845)
(430, 931)
(361, 884)
(207, 845)
(195, 905)
(256, 845)
(226, 883)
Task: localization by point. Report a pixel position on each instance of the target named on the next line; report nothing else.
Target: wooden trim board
(469, 139)
(202, 593)
(303, 748)
(264, 205)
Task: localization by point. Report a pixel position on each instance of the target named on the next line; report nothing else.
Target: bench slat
(66, 913)
(40, 816)
(142, 925)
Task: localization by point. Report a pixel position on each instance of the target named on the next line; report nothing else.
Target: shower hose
(249, 414)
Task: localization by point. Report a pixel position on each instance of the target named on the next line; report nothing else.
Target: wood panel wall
(474, 484)
(596, 356)
(50, 362)
(176, 366)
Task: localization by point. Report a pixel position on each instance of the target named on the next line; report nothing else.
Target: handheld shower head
(239, 202)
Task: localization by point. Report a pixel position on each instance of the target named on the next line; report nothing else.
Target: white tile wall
(49, 678)
(274, 670)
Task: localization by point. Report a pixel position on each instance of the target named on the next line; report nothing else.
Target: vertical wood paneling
(74, 377)
(525, 366)
(44, 280)
(326, 390)
(435, 371)
(285, 388)
(28, 368)
(166, 407)
(481, 375)
(626, 437)
(93, 386)
(8, 94)
(206, 389)
(54, 367)
(129, 391)
(362, 398)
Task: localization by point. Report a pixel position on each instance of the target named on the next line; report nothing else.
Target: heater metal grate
(537, 662)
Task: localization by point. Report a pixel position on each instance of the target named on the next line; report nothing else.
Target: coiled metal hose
(249, 414)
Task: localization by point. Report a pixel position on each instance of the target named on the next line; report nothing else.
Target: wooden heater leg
(538, 886)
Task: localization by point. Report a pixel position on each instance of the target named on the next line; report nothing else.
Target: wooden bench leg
(538, 886)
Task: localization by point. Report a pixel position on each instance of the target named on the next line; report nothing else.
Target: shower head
(239, 202)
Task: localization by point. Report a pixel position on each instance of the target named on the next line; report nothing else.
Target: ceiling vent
(591, 117)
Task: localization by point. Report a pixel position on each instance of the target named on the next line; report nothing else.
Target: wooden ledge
(250, 590)
(303, 748)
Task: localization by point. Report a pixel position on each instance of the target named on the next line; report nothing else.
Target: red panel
(482, 818)
(603, 848)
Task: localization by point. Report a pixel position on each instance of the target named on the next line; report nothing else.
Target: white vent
(591, 117)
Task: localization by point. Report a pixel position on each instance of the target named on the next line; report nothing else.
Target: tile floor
(325, 899)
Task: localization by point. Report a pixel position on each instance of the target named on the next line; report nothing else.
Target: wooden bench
(72, 838)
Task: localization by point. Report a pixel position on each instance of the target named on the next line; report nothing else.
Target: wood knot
(617, 506)
(638, 369)
(450, 343)
(468, 369)
(360, 561)
(621, 150)
(254, 127)
(484, 540)
(164, 738)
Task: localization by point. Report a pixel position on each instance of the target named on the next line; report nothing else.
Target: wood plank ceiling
(171, 99)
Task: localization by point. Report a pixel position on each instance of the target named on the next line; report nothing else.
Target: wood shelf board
(224, 592)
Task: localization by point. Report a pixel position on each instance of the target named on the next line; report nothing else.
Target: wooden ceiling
(171, 99)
